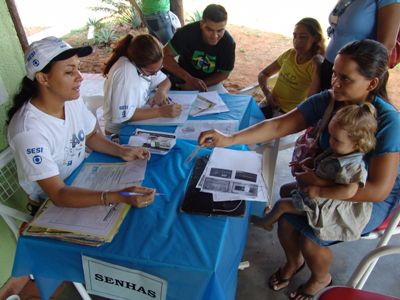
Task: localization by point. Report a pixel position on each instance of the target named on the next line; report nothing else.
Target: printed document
(191, 129)
(234, 173)
(207, 103)
(185, 100)
(110, 176)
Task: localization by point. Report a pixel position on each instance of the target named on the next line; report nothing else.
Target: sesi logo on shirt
(34, 150)
(37, 159)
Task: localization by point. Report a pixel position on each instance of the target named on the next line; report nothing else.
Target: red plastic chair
(350, 291)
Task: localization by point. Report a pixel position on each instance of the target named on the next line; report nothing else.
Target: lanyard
(339, 9)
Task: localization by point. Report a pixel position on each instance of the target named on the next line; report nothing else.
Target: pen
(128, 194)
(197, 149)
(110, 211)
(170, 101)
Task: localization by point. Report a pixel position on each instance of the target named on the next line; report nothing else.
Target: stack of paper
(234, 175)
(91, 225)
(156, 142)
(208, 103)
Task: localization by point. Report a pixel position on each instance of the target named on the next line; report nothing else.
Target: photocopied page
(234, 173)
(156, 142)
(208, 103)
(185, 100)
(191, 129)
(110, 176)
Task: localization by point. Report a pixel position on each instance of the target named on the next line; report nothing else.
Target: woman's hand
(171, 110)
(214, 138)
(158, 99)
(146, 198)
(128, 153)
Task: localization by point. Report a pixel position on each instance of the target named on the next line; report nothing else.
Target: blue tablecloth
(241, 107)
(197, 255)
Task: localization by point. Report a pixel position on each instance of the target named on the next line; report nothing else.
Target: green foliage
(105, 36)
(92, 22)
(121, 11)
(196, 16)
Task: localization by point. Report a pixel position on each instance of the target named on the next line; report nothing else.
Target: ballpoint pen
(128, 194)
(110, 211)
(170, 101)
(197, 149)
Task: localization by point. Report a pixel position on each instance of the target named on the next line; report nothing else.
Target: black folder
(199, 202)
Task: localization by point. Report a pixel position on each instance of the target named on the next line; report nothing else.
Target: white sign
(117, 282)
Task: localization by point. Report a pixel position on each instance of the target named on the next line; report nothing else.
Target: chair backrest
(352, 290)
(271, 149)
(8, 186)
(384, 232)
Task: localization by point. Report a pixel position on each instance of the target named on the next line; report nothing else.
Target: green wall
(12, 67)
(12, 70)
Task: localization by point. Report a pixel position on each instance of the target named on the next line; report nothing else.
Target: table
(241, 107)
(196, 254)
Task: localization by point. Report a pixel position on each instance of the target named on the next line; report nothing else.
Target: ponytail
(28, 90)
(120, 50)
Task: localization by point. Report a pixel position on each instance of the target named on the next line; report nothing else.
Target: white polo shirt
(124, 91)
(45, 146)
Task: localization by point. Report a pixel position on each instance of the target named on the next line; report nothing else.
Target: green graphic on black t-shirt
(203, 62)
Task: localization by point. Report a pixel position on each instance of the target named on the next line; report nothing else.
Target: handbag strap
(326, 117)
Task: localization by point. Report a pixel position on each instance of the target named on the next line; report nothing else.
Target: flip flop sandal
(280, 280)
(299, 292)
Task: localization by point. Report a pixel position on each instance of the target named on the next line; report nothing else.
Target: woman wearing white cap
(49, 126)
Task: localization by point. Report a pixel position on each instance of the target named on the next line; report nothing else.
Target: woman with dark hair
(132, 73)
(360, 74)
(298, 67)
(49, 127)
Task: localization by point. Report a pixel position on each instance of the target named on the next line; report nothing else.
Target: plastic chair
(13, 217)
(384, 232)
(353, 289)
(271, 149)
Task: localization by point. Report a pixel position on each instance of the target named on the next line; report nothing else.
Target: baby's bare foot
(263, 223)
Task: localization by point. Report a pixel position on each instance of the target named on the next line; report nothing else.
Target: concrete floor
(265, 255)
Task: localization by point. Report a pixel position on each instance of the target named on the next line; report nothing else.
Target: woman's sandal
(305, 296)
(279, 280)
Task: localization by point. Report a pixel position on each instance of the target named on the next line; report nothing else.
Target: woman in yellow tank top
(298, 69)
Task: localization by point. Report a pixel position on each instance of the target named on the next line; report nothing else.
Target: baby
(329, 181)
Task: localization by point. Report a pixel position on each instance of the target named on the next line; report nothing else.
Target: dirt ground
(254, 50)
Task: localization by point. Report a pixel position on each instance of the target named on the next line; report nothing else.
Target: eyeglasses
(145, 73)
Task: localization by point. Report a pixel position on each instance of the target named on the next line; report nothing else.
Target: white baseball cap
(41, 52)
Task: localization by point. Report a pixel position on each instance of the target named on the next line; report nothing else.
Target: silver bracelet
(103, 198)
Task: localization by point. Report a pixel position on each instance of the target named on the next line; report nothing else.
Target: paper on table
(134, 171)
(157, 142)
(186, 100)
(112, 176)
(199, 108)
(191, 129)
(88, 220)
(234, 172)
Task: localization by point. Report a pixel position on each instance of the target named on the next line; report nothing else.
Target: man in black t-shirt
(206, 53)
